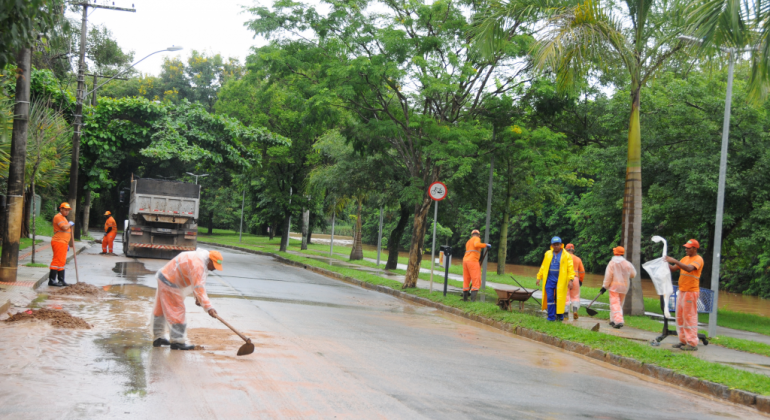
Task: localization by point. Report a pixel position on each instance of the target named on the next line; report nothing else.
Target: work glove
(602, 290)
(109, 229)
(72, 223)
(489, 246)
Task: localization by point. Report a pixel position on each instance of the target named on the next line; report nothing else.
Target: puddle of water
(128, 350)
(130, 291)
(131, 270)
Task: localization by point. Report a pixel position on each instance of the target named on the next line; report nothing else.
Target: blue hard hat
(555, 240)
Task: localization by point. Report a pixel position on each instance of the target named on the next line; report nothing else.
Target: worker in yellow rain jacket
(183, 275)
(110, 231)
(60, 243)
(557, 271)
(471, 265)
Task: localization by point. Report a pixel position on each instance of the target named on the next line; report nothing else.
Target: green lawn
(681, 362)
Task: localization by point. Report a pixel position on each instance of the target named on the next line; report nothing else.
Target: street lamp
(171, 48)
(731, 53)
(196, 176)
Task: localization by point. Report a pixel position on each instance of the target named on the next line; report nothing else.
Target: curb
(44, 278)
(711, 389)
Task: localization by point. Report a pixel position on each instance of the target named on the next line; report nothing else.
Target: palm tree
(734, 24)
(640, 36)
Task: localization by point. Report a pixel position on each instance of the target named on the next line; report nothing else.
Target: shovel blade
(591, 312)
(245, 349)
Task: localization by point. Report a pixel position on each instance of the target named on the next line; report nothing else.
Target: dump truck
(162, 218)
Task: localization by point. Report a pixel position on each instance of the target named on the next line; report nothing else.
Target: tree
(412, 79)
(21, 22)
(641, 36)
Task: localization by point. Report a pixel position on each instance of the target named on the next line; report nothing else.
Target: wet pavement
(324, 349)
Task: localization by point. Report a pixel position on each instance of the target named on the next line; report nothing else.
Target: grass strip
(683, 363)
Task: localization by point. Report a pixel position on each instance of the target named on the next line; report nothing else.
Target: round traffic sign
(437, 191)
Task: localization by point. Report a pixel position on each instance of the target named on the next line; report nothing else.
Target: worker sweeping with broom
(110, 231)
(60, 243)
(557, 271)
(183, 275)
(617, 278)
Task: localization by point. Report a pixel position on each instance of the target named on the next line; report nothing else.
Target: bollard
(447, 251)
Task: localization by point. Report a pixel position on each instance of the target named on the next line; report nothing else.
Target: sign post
(437, 192)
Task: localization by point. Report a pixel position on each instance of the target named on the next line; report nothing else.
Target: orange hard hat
(216, 259)
(107, 213)
(475, 232)
(65, 205)
(618, 250)
(692, 243)
(570, 246)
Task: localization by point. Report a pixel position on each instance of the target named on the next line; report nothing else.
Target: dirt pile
(60, 319)
(81, 289)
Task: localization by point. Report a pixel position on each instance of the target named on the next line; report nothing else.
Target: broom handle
(75, 257)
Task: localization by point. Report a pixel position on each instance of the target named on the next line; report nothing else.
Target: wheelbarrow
(506, 297)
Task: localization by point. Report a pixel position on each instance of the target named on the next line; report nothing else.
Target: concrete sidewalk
(22, 292)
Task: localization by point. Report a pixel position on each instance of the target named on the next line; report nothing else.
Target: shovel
(590, 311)
(75, 257)
(245, 349)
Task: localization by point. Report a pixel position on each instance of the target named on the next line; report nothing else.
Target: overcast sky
(203, 25)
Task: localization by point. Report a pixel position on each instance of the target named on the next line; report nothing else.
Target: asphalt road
(324, 349)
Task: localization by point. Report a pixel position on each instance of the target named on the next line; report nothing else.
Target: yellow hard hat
(65, 205)
(107, 213)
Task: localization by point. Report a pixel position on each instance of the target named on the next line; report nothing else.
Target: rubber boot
(52, 279)
(158, 331)
(465, 295)
(61, 278)
(178, 337)
(473, 295)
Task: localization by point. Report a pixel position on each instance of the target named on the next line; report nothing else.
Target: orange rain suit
(687, 301)
(573, 295)
(617, 278)
(60, 242)
(471, 266)
(108, 239)
(183, 275)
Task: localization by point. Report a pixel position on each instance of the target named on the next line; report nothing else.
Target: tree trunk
(285, 233)
(311, 220)
(25, 216)
(211, 222)
(502, 251)
(394, 240)
(34, 219)
(271, 231)
(79, 209)
(305, 222)
(631, 234)
(357, 253)
(418, 237)
(15, 206)
(87, 209)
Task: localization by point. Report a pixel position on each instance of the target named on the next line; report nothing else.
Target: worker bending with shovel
(472, 266)
(573, 294)
(183, 275)
(617, 278)
(110, 231)
(690, 268)
(557, 271)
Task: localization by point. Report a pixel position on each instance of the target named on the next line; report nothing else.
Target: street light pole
(196, 176)
(716, 260)
(721, 196)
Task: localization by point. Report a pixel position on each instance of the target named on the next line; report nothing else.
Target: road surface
(324, 349)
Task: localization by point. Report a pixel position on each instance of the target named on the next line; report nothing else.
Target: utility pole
(15, 207)
(79, 98)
